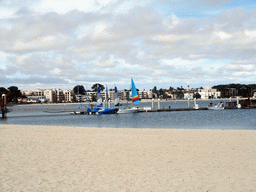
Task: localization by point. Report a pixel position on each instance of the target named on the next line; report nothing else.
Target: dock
(239, 104)
(171, 109)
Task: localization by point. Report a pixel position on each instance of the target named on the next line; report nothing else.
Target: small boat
(80, 112)
(135, 100)
(129, 110)
(219, 106)
(107, 110)
(99, 105)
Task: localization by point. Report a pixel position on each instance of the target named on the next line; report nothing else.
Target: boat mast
(106, 97)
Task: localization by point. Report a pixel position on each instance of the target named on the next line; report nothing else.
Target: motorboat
(219, 106)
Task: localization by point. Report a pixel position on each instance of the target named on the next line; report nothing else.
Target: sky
(63, 43)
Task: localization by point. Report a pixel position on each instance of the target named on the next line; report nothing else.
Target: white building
(188, 96)
(209, 93)
(145, 94)
(50, 94)
(68, 95)
(33, 92)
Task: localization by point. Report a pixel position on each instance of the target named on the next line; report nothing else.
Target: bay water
(240, 119)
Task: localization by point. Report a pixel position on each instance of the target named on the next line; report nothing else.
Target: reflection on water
(204, 119)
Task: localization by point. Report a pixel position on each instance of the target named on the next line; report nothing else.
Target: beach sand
(55, 158)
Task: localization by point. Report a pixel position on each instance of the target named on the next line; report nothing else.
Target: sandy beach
(52, 158)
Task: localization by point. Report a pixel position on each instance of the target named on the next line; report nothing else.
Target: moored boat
(135, 100)
(219, 106)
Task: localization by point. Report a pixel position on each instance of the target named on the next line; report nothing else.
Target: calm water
(202, 119)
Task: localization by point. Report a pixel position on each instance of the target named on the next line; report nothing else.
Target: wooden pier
(172, 109)
(244, 104)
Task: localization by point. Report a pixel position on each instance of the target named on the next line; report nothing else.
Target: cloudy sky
(163, 43)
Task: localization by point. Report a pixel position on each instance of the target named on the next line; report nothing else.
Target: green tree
(13, 94)
(79, 89)
(171, 88)
(197, 96)
(3, 91)
(180, 95)
(96, 85)
(180, 88)
(162, 92)
(154, 90)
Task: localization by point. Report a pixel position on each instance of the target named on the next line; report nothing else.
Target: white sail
(99, 98)
(116, 101)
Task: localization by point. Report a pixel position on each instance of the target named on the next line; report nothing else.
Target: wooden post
(158, 103)
(152, 104)
(195, 105)
(188, 102)
(3, 107)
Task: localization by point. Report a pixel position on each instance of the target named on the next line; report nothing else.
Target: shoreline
(122, 101)
(57, 158)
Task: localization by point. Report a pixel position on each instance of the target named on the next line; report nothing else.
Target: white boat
(129, 110)
(135, 100)
(219, 106)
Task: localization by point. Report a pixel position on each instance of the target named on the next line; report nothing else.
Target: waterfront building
(188, 96)
(145, 94)
(209, 93)
(50, 94)
(68, 95)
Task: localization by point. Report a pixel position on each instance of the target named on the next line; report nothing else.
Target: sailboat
(98, 105)
(80, 110)
(116, 98)
(135, 100)
(107, 110)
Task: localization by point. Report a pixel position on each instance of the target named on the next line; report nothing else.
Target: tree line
(241, 89)
(12, 93)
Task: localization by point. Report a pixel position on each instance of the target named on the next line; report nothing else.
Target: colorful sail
(135, 97)
(116, 98)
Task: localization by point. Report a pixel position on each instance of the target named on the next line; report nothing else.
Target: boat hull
(129, 110)
(215, 108)
(107, 111)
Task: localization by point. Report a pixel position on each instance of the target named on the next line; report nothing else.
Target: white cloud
(170, 37)
(64, 6)
(250, 33)
(48, 42)
(56, 71)
(102, 31)
(106, 64)
(222, 35)
(107, 41)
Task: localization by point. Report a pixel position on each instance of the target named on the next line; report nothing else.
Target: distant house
(209, 93)
(188, 96)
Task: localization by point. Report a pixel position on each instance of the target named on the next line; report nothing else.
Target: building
(188, 96)
(68, 95)
(33, 92)
(50, 94)
(209, 93)
(145, 94)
